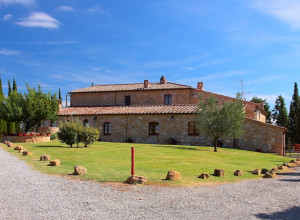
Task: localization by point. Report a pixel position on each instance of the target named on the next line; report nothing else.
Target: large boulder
(204, 176)
(21, 150)
(270, 174)
(173, 175)
(9, 144)
(219, 172)
(45, 157)
(256, 172)
(18, 147)
(238, 173)
(264, 171)
(79, 170)
(292, 161)
(27, 153)
(55, 162)
(136, 180)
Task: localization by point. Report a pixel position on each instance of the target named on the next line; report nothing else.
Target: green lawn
(110, 162)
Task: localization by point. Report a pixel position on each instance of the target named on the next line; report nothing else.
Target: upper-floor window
(168, 99)
(153, 128)
(192, 128)
(107, 128)
(86, 123)
(127, 100)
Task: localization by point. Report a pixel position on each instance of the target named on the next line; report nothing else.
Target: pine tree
(266, 107)
(9, 87)
(280, 113)
(59, 96)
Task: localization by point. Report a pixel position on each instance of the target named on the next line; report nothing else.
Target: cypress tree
(280, 115)
(294, 128)
(9, 87)
(4, 126)
(14, 85)
(59, 96)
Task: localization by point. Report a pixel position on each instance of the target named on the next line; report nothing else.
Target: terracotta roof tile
(121, 110)
(130, 87)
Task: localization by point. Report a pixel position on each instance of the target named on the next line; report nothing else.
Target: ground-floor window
(192, 128)
(107, 128)
(153, 128)
(86, 123)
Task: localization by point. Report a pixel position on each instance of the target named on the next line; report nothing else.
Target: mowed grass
(111, 162)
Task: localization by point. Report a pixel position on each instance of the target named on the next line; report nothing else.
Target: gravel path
(27, 194)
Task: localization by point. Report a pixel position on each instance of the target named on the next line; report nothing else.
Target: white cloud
(7, 17)
(24, 2)
(284, 10)
(39, 19)
(8, 52)
(96, 9)
(65, 8)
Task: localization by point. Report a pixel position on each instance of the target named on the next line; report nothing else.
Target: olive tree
(218, 120)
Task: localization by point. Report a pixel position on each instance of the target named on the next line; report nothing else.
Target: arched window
(86, 123)
(192, 128)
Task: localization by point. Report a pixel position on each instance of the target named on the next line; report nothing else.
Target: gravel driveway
(27, 194)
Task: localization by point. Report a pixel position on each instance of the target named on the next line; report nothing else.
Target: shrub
(68, 132)
(53, 136)
(129, 140)
(73, 132)
(88, 135)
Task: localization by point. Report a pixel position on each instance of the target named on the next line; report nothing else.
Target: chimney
(163, 80)
(146, 84)
(200, 86)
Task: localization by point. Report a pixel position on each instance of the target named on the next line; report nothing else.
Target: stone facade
(132, 122)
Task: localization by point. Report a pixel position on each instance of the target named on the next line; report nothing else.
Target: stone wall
(26, 139)
(151, 97)
(50, 130)
(257, 136)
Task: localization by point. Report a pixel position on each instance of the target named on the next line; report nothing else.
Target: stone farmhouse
(155, 112)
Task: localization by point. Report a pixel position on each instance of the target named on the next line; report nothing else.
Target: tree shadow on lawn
(290, 213)
(182, 148)
(289, 174)
(65, 147)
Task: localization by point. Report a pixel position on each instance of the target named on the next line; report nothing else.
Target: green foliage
(73, 131)
(217, 120)
(266, 107)
(4, 127)
(59, 96)
(53, 136)
(14, 85)
(39, 106)
(11, 107)
(294, 117)
(88, 135)
(68, 132)
(279, 113)
(11, 127)
(9, 87)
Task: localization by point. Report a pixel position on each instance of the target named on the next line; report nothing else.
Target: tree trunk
(215, 144)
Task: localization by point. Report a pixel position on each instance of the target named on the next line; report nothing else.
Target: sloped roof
(131, 87)
(128, 110)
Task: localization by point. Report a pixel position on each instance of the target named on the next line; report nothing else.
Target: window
(86, 123)
(192, 128)
(153, 128)
(168, 99)
(127, 100)
(107, 128)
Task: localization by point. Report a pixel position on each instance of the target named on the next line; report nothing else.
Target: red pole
(132, 161)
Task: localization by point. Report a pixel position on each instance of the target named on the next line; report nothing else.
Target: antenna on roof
(243, 92)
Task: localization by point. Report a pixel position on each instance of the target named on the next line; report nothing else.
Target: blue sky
(69, 44)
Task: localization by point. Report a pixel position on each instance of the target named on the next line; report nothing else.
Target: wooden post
(132, 161)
